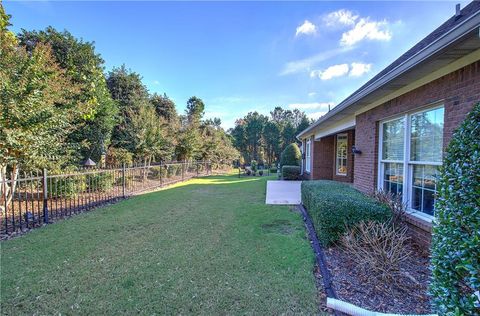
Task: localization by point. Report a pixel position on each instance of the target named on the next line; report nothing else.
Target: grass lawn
(207, 246)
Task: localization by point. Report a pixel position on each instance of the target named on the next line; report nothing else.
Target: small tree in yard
(291, 156)
(456, 233)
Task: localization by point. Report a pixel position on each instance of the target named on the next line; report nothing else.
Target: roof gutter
(428, 51)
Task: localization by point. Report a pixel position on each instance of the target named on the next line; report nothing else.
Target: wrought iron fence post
(123, 180)
(45, 197)
(183, 170)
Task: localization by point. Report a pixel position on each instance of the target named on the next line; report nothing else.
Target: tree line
(59, 108)
(263, 138)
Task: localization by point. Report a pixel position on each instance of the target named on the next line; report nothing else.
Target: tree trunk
(7, 190)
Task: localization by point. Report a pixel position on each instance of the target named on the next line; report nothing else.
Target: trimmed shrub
(100, 182)
(291, 172)
(335, 207)
(456, 231)
(291, 156)
(67, 187)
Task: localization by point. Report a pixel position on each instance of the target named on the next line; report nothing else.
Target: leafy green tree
(255, 124)
(127, 89)
(289, 133)
(148, 137)
(456, 231)
(38, 107)
(195, 110)
(85, 68)
(272, 142)
(164, 107)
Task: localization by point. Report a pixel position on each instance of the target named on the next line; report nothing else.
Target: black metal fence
(29, 201)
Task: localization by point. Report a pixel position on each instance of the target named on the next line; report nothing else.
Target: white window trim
(308, 155)
(407, 170)
(336, 157)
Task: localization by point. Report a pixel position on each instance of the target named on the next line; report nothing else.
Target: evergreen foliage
(456, 233)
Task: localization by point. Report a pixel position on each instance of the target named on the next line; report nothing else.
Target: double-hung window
(341, 155)
(307, 155)
(411, 149)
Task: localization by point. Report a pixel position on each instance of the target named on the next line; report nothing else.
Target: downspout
(353, 310)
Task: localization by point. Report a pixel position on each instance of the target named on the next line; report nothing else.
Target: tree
(127, 89)
(38, 104)
(164, 107)
(272, 142)
(195, 110)
(291, 156)
(147, 134)
(456, 231)
(264, 138)
(255, 124)
(85, 68)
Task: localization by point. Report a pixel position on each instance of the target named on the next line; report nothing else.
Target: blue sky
(244, 56)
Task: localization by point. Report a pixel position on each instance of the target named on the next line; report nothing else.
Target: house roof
(454, 30)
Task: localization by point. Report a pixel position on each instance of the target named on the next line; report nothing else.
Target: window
(411, 150)
(341, 154)
(307, 156)
(393, 155)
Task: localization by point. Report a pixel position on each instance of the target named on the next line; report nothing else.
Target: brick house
(390, 134)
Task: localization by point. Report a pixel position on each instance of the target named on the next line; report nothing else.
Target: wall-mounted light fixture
(356, 151)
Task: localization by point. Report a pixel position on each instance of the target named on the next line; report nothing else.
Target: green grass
(207, 246)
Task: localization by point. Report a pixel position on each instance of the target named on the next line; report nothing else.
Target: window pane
(393, 139)
(341, 158)
(393, 177)
(424, 188)
(427, 136)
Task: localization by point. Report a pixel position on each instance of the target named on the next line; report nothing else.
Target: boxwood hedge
(334, 206)
(456, 232)
(291, 172)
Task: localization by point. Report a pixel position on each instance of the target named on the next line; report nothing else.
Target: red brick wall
(322, 158)
(350, 158)
(458, 91)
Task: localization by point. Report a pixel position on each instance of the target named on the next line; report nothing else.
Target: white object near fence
(353, 310)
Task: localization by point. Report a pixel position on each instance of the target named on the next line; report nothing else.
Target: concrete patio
(284, 192)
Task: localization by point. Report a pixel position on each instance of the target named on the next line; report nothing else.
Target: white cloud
(156, 82)
(331, 72)
(306, 64)
(316, 115)
(358, 69)
(312, 94)
(341, 17)
(366, 29)
(306, 28)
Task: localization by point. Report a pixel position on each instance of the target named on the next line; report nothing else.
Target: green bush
(67, 187)
(336, 206)
(291, 156)
(456, 231)
(171, 170)
(291, 172)
(254, 165)
(99, 182)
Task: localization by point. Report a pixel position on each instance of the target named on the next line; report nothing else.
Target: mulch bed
(407, 293)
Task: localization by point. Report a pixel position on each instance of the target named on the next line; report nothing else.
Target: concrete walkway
(284, 192)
